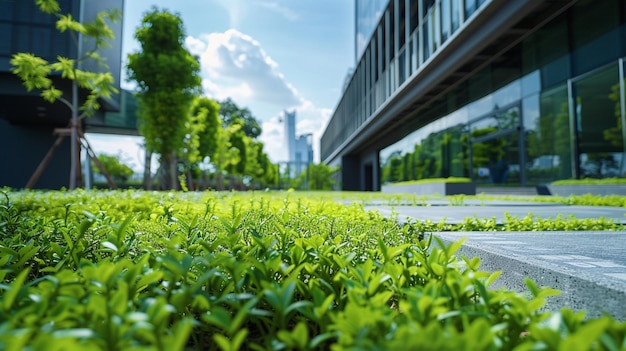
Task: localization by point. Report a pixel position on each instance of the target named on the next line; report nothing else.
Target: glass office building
(368, 14)
(501, 92)
(27, 122)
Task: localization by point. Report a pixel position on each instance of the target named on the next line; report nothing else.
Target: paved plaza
(589, 267)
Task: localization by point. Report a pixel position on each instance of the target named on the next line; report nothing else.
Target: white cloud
(235, 66)
(273, 139)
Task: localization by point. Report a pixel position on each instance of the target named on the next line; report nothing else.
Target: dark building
(504, 92)
(27, 121)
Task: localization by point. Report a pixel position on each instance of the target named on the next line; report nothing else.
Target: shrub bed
(133, 270)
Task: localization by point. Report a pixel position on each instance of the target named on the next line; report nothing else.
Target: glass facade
(394, 38)
(24, 28)
(368, 15)
(551, 108)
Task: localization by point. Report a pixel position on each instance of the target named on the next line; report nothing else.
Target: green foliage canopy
(318, 176)
(239, 141)
(203, 128)
(167, 77)
(233, 114)
(116, 169)
(36, 73)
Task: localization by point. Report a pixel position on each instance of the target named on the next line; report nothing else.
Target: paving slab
(588, 267)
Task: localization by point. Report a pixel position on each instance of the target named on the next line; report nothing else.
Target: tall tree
(226, 156)
(36, 72)
(168, 80)
(231, 113)
(204, 124)
(254, 169)
(202, 136)
(239, 141)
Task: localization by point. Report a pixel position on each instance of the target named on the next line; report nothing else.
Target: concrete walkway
(438, 210)
(588, 267)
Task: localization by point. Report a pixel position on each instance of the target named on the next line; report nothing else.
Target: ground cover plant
(133, 270)
(590, 181)
(368, 198)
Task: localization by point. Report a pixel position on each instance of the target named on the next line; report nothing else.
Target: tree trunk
(147, 177)
(220, 180)
(170, 179)
(190, 182)
(205, 180)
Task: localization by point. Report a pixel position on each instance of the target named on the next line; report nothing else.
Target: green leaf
(324, 307)
(233, 344)
(492, 277)
(26, 253)
(48, 6)
(180, 334)
(8, 251)
(438, 269)
(51, 95)
(472, 264)
(219, 317)
(66, 22)
(297, 338)
(8, 299)
(241, 316)
(109, 245)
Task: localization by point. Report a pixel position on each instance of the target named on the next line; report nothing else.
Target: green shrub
(590, 181)
(123, 270)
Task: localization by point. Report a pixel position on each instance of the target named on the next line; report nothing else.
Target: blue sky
(267, 55)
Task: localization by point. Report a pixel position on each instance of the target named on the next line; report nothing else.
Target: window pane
(414, 15)
(402, 23)
(401, 67)
(547, 128)
(6, 9)
(495, 148)
(598, 124)
(470, 7)
(5, 45)
(594, 29)
(425, 40)
(456, 15)
(382, 44)
(392, 33)
(445, 20)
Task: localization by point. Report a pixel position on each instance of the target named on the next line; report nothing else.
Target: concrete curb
(587, 282)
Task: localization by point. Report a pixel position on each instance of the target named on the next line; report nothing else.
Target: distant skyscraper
(290, 135)
(299, 148)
